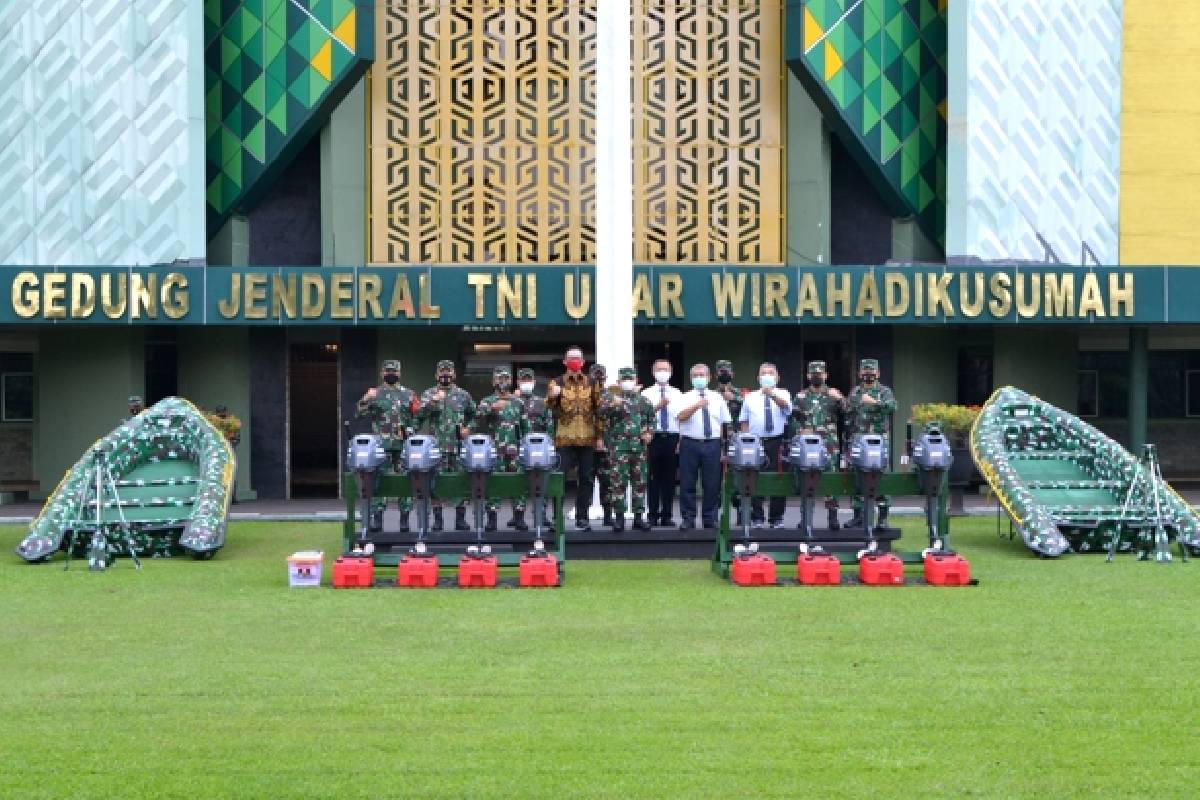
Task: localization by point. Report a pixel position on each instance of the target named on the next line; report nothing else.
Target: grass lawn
(638, 679)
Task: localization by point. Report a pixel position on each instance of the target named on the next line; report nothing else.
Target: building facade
(272, 196)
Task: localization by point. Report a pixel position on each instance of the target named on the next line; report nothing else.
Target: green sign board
(660, 295)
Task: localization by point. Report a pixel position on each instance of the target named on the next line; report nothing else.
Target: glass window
(1166, 389)
(16, 396)
(1089, 384)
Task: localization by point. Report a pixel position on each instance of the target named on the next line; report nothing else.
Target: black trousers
(774, 450)
(663, 462)
(580, 457)
(699, 459)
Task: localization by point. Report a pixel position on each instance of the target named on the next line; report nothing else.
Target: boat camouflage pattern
(173, 475)
(1064, 483)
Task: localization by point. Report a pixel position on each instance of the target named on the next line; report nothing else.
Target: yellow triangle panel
(322, 62)
(833, 61)
(812, 30)
(344, 32)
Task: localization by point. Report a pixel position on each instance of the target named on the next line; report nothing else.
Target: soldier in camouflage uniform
(601, 463)
(732, 394)
(502, 415)
(816, 410)
(869, 410)
(628, 427)
(390, 409)
(538, 416)
(136, 406)
(447, 411)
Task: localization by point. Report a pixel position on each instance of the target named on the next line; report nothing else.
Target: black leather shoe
(490, 525)
(518, 520)
(640, 523)
(856, 521)
(687, 525)
(582, 525)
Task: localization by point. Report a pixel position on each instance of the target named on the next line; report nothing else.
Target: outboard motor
(868, 460)
(538, 458)
(365, 457)
(477, 454)
(421, 459)
(746, 457)
(808, 457)
(932, 457)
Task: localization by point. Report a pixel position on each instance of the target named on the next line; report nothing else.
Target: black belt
(701, 439)
(665, 433)
(770, 438)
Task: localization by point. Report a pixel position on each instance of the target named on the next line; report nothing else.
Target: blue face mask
(699, 383)
(766, 381)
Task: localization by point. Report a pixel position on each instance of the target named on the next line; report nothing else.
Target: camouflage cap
(445, 364)
(525, 372)
(624, 373)
(391, 365)
(869, 363)
(724, 363)
(816, 366)
(598, 369)
(136, 399)
(501, 370)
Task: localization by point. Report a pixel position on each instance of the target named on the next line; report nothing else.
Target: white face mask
(766, 381)
(526, 388)
(663, 376)
(627, 385)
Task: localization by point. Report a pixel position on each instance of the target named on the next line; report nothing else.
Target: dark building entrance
(313, 419)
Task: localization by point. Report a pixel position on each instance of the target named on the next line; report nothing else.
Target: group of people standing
(628, 437)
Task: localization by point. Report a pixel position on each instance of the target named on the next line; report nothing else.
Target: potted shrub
(956, 422)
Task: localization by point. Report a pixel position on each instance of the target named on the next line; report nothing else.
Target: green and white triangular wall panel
(877, 70)
(274, 71)
(101, 124)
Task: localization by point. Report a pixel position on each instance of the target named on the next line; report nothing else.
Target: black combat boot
(404, 522)
(518, 520)
(833, 518)
(640, 523)
(376, 523)
(857, 520)
(617, 521)
(608, 515)
(490, 525)
(460, 519)
(437, 518)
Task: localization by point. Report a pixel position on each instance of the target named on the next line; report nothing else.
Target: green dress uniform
(392, 419)
(870, 418)
(627, 417)
(506, 426)
(816, 410)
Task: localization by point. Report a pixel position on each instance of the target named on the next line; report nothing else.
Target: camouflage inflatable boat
(1069, 487)
(160, 483)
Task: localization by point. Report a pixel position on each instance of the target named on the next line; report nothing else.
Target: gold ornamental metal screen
(483, 121)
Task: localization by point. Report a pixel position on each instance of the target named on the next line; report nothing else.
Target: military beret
(525, 372)
(391, 365)
(626, 372)
(136, 399)
(445, 363)
(869, 363)
(724, 363)
(816, 366)
(497, 371)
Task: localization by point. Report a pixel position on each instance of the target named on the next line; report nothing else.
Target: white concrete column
(614, 188)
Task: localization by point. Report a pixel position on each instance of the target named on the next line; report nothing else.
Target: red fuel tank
(418, 572)
(881, 569)
(478, 572)
(947, 569)
(538, 571)
(818, 570)
(757, 569)
(353, 572)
